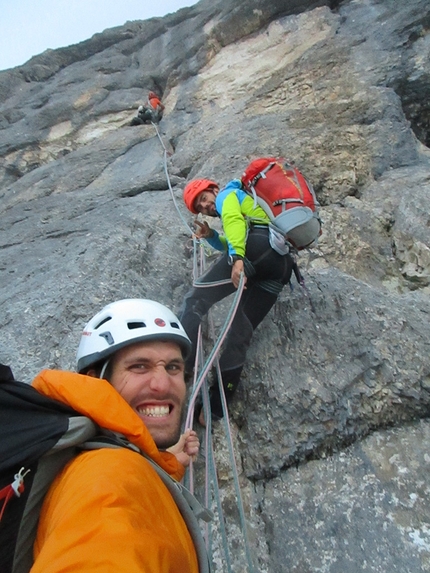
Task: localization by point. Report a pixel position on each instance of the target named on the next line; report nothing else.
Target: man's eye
(138, 367)
(175, 368)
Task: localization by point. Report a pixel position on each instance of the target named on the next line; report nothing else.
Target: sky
(29, 27)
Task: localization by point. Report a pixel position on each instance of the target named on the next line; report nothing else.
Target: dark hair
(98, 368)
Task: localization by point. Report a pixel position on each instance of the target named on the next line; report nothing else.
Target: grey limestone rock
(329, 423)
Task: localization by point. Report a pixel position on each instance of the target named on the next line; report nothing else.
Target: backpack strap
(189, 506)
(80, 429)
(261, 175)
(190, 509)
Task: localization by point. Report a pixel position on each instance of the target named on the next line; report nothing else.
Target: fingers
(192, 444)
(235, 279)
(236, 273)
(203, 231)
(187, 447)
(201, 224)
(179, 446)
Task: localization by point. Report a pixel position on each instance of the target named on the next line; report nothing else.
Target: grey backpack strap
(189, 506)
(191, 510)
(80, 429)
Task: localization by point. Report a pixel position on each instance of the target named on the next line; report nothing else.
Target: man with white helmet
(108, 509)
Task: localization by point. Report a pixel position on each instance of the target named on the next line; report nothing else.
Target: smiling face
(205, 202)
(150, 377)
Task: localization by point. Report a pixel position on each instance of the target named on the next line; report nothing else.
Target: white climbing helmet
(126, 322)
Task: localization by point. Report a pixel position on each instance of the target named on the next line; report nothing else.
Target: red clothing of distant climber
(155, 102)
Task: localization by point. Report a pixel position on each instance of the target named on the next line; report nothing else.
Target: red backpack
(286, 197)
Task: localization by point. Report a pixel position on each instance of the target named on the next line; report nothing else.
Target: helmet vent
(102, 322)
(133, 325)
(174, 325)
(108, 337)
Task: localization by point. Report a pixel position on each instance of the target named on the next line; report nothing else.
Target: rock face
(330, 424)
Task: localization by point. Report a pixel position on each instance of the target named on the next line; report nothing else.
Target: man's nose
(159, 380)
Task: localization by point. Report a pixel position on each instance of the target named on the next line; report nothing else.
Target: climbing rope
(211, 478)
(166, 171)
(214, 352)
(211, 468)
(200, 386)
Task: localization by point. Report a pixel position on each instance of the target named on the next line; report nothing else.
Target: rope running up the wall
(200, 385)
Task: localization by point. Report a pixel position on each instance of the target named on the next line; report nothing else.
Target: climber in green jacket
(248, 249)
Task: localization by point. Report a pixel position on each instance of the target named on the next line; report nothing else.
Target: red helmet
(193, 189)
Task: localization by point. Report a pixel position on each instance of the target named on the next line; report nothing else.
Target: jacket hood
(99, 401)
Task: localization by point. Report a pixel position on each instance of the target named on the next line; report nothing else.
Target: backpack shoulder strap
(80, 429)
(189, 506)
(191, 510)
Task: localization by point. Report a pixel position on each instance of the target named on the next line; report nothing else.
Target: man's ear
(92, 373)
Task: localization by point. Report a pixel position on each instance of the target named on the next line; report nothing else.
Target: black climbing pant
(267, 272)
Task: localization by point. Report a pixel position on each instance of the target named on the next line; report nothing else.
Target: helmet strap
(104, 368)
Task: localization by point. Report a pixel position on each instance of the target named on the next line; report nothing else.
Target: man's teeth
(154, 411)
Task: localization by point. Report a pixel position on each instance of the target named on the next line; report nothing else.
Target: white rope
(199, 383)
(166, 171)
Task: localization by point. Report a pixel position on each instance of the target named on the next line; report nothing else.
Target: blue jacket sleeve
(217, 241)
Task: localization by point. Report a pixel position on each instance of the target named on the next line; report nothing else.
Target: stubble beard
(166, 441)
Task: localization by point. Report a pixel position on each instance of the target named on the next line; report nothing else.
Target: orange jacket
(155, 103)
(108, 511)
